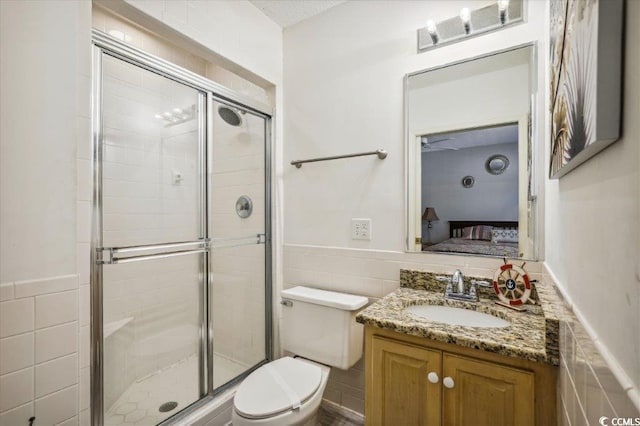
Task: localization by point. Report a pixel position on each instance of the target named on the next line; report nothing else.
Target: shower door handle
(113, 255)
(129, 259)
(238, 241)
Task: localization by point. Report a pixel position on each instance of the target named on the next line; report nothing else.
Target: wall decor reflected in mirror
(468, 181)
(496, 164)
(469, 157)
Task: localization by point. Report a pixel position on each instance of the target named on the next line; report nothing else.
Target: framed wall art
(586, 79)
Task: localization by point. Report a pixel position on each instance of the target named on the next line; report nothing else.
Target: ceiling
(289, 12)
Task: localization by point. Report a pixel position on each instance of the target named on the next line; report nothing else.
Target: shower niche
(180, 282)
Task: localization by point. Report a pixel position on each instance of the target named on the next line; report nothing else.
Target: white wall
(492, 197)
(592, 218)
(344, 73)
(44, 112)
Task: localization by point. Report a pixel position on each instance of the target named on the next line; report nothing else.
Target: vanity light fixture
(433, 31)
(465, 17)
(497, 15)
(503, 10)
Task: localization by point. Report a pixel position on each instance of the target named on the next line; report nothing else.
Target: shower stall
(181, 278)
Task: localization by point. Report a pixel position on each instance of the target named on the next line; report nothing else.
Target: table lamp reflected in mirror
(429, 216)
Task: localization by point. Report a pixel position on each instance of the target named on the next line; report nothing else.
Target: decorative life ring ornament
(512, 285)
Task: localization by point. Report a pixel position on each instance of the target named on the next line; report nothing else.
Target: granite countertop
(533, 334)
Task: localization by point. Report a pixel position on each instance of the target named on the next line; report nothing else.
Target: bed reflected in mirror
(469, 157)
(487, 194)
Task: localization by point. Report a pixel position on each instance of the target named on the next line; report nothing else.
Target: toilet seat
(277, 387)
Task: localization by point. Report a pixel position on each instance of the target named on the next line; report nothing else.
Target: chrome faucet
(458, 280)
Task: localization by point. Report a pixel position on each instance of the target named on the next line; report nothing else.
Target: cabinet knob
(448, 382)
(433, 377)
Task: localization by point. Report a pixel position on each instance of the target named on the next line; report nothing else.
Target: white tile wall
(38, 348)
(17, 416)
(16, 353)
(588, 388)
(56, 308)
(54, 342)
(57, 407)
(371, 273)
(16, 388)
(16, 316)
(57, 374)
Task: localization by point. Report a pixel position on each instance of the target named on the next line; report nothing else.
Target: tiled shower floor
(139, 405)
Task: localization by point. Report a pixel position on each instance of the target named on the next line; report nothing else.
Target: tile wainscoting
(588, 387)
(39, 351)
(374, 274)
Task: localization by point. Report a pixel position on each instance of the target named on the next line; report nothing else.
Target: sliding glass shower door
(153, 244)
(180, 255)
(238, 219)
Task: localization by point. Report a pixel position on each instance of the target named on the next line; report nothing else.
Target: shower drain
(167, 406)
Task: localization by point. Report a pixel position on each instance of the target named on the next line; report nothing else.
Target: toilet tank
(321, 325)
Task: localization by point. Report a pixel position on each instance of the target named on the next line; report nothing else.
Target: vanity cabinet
(417, 381)
(400, 393)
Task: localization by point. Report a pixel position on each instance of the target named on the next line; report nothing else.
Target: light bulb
(503, 10)
(433, 31)
(465, 15)
(158, 116)
(431, 27)
(177, 110)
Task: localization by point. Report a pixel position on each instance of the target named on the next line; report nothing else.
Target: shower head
(230, 115)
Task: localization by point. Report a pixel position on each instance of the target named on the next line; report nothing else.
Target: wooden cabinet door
(400, 392)
(486, 394)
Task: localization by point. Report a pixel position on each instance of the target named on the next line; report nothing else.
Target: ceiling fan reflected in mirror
(433, 144)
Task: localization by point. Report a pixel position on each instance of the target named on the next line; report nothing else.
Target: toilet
(319, 328)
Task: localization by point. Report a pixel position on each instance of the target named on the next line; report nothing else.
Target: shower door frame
(104, 44)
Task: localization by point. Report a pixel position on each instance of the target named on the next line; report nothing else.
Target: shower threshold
(156, 397)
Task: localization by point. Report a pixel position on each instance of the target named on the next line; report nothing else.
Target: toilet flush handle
(287, 303)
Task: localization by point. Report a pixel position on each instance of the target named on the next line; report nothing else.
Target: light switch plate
(361, 229)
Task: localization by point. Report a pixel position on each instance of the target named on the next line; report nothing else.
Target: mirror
(469, 157)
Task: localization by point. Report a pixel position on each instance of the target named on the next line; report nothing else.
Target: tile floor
(140, 403)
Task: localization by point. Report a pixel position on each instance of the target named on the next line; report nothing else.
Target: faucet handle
(481, 283)
(443, 279)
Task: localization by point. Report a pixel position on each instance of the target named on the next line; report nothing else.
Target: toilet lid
(276, 387)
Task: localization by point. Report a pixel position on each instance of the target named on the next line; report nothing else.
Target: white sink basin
(456, 316)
